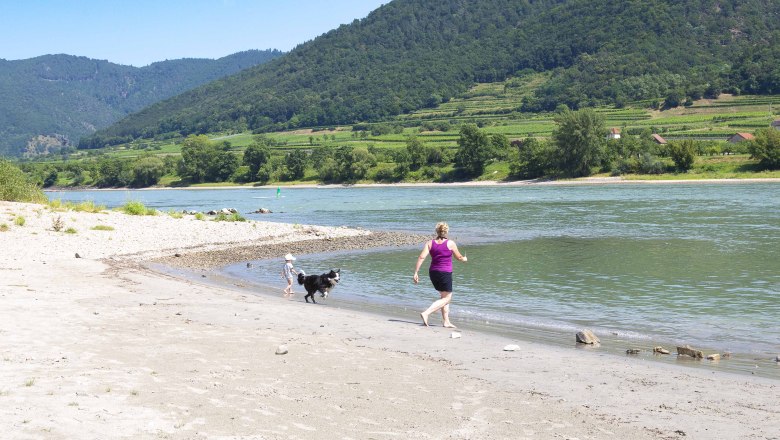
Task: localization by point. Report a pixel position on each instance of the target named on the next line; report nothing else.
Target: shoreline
(100, 346)
(488, 183)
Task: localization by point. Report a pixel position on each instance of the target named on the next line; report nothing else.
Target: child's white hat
(289, 257)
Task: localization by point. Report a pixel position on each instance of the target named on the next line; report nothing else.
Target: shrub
(57, 224)
(87, 206)
(134, 207)
(16, 187)
(235, 217)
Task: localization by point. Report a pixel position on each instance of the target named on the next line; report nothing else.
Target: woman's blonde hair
(442, 229)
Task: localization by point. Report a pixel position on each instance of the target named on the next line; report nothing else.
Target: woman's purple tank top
(441, 257)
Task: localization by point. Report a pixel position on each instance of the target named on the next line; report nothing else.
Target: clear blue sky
(140, 32)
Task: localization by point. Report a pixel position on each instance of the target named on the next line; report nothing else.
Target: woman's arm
(420, 259)
(454, 248)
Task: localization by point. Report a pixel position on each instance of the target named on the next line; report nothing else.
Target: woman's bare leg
(443, 304)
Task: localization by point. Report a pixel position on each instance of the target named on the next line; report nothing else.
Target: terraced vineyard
(495, 108)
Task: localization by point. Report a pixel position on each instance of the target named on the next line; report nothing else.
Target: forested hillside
(53, 100)
(412, 54)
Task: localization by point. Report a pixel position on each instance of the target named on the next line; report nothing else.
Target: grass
(235, 217)
(3, 227)
(134, 207)
(29, 382)
(175, 214)
(86, 206)
(200, 216)
(71, 231)
(102, 228)
(19, 221)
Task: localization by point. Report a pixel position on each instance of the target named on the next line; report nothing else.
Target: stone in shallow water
(688, 351)
(660, 350)
(587, 337)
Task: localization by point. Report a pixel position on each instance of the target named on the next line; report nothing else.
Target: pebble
(455, 335)
(282, 349)
(511, 347)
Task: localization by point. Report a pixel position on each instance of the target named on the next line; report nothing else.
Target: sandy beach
(101, 346)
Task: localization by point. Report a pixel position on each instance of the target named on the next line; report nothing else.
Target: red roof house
(658, 139)
(740, 137)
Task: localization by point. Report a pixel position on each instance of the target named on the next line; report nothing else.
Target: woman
(441, 250)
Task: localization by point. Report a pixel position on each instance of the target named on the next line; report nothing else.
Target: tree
(766, 148)
(113, 172)
(473, 150)
(534, 159)
(147, 171)
(196, 155)
(500, 144)
(579, 139)
(255, 156)
(222, 166)
(417, 153)
(682, 154)
(295, 162)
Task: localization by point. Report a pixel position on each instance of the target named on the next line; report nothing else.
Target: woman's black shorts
(442, 281)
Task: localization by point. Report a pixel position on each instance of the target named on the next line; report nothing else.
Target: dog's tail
(301, 277)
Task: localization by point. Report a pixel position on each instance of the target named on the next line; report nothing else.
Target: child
(287, 272)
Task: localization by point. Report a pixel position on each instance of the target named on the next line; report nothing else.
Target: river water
(640, 265)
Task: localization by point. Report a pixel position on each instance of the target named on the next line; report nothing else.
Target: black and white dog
(318, 283)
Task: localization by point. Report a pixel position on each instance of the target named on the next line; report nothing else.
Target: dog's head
(333, 278)
(334, 275)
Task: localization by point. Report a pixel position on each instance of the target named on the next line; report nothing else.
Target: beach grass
(19, 221)
(102, 228)
(135, 207)
(234, 217)
(86, 206)
(71, 230)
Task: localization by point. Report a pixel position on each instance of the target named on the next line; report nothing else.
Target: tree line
(578, 147)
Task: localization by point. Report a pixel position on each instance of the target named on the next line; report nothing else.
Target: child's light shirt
(288, 270)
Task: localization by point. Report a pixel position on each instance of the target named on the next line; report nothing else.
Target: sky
(140, 32)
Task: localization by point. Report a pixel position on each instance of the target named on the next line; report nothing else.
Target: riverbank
(101, 347)
(534, 182)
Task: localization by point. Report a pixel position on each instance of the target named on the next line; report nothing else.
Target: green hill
(53, 100)
(414, 54)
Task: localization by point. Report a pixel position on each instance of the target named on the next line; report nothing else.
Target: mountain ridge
(412, 54)
(59, 98)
